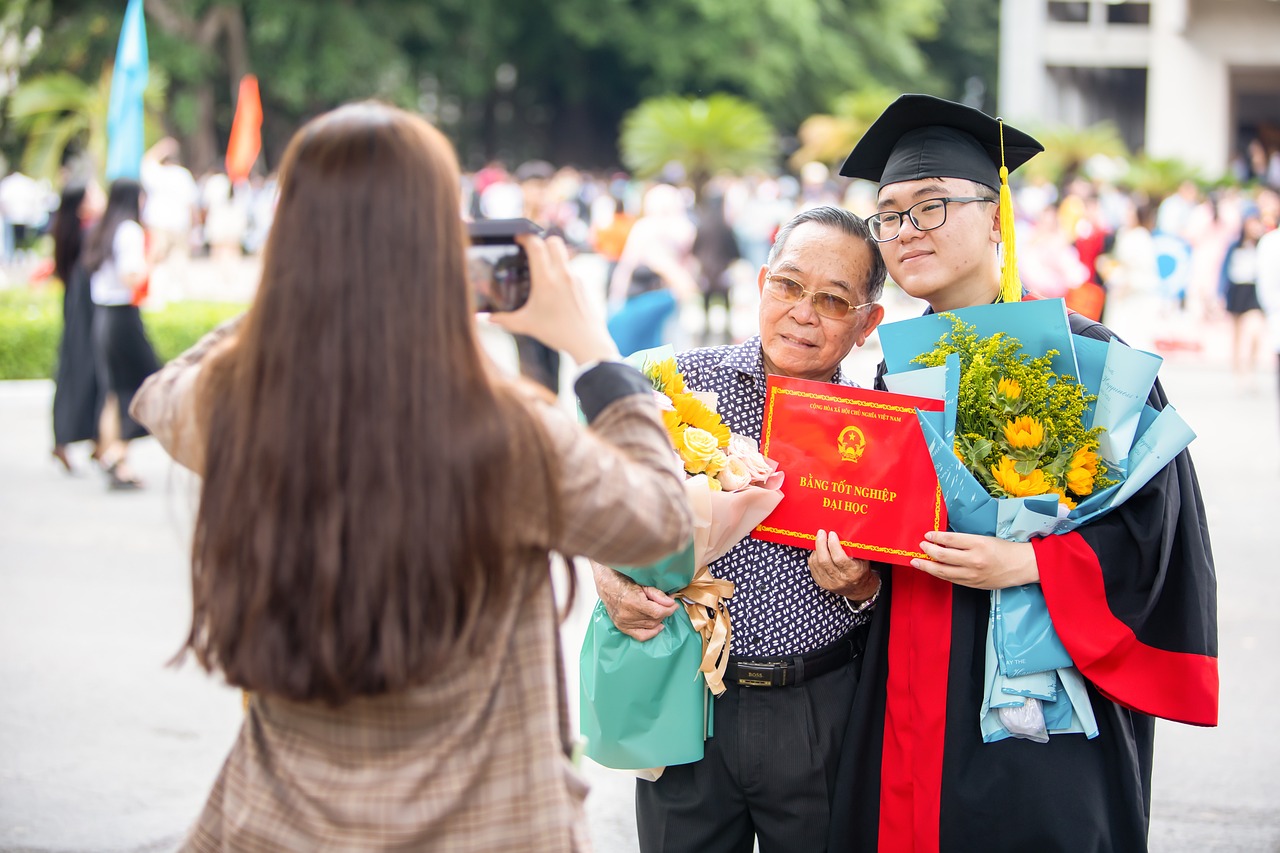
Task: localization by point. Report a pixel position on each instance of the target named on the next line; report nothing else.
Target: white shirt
(128, 257)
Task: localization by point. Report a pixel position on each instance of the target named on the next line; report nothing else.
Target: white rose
(734, 475)
(746, 450)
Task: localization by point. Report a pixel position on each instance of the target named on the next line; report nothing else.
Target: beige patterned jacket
(475, 760)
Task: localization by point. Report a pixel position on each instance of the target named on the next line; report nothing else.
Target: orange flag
(246, 130)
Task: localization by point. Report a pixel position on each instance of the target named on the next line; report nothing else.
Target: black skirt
(1242, 298)
(76, 398)
(125, 359)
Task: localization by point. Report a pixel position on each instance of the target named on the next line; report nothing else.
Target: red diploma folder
(856, 463)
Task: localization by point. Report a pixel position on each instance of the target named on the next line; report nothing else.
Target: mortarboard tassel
(1010, 285)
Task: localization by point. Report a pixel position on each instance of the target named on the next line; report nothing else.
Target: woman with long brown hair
(370, 559)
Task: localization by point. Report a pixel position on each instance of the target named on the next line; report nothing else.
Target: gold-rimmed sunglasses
(826, 303)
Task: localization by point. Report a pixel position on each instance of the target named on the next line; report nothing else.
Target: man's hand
(835, 571)
(637, 611)
(981, 562)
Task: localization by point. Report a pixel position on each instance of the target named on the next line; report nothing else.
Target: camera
(497, 267)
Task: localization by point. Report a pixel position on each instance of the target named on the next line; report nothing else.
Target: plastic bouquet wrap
(645, 705)
(1042, 431)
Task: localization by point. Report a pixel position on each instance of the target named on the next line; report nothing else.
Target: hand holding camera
(555, 310)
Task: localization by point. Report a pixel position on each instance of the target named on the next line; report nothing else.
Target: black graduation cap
(920, 136)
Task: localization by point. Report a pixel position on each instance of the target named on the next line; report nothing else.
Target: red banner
(856, 463)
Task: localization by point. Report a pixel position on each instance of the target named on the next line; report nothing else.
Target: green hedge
(31, 323)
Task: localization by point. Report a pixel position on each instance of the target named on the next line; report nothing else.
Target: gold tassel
(1010, 285)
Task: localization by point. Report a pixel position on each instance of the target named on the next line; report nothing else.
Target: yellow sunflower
(1016, 485)
(1024, 432)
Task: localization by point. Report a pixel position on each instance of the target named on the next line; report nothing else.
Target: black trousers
(767, 773)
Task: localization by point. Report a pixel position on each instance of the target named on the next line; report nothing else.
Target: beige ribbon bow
(704, 601)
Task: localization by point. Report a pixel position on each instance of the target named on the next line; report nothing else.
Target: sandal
(60, 453)
(117, 482)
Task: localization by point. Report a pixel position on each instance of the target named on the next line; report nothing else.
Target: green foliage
(706, 136)
(1067, 150)
(549, 78)
(58, 111)
(31, 324)
(830, 138)
(1156, 178)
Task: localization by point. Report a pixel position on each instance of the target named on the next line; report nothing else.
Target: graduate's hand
(981, 562)
(637, 611)
(835, 571)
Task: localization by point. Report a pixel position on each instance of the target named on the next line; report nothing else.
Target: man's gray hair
(843, 221)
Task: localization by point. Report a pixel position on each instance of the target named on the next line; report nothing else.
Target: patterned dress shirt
(777, 609)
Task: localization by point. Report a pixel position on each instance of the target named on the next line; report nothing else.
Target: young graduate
(1132, 594)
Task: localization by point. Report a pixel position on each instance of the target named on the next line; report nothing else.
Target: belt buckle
(762, 674)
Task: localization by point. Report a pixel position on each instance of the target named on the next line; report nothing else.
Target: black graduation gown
(1133, 597)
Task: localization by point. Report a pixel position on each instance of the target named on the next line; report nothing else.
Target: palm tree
(706, 136)
(1157, 178)
(829, 138)
(59, 111)
(1068, 149)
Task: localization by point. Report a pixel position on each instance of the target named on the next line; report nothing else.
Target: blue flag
(128, 82)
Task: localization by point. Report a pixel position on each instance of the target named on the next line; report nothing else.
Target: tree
(1067, 150)
(545, 78)
(829, 138)
(705, 136)
(60, 115)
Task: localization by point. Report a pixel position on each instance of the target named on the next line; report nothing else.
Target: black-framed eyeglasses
(826, 303)
(924, 215)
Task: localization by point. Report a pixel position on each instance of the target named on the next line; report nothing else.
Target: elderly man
(768, 771)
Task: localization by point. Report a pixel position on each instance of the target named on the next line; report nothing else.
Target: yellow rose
(698, 449)
(1024, 432)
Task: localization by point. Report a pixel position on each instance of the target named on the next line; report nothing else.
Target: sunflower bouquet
(731, 462)
(1043, 431)
(1019, 425)
(644, 705)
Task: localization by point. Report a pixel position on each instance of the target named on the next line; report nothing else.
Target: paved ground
(104, 748)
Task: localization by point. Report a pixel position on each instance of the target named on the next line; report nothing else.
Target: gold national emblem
(851, 443)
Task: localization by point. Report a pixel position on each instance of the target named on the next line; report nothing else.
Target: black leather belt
(788, 672)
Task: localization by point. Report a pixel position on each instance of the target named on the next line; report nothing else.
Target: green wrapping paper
(645, 705)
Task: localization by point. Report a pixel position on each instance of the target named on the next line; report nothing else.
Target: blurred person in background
(538, 361)
(1047, 262)
(225, 218)
(76, 396)
(173, 201)
(115, 257)
(1133, 278)
(371, 551)
(654, 275)
(715, 249)
(1239, 291)
(1269, 288)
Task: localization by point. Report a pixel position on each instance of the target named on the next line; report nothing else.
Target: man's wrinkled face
(799, 342)
(946, 266)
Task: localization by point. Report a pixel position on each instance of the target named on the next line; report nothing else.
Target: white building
(1191, 79)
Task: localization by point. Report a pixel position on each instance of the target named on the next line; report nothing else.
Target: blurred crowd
(184, 215)
(1113, 254)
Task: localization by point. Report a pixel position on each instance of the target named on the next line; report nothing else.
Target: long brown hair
(363, 471)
